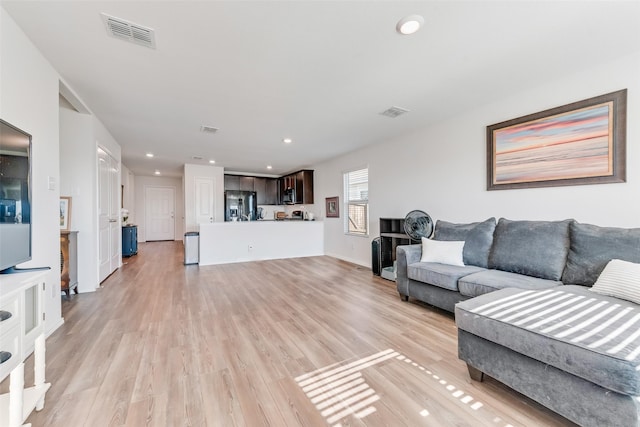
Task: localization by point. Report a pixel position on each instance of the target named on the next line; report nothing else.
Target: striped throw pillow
(619, 279)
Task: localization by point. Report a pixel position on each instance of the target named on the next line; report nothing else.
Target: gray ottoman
(572, 350)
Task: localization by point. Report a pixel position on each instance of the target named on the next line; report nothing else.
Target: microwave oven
(289, 196)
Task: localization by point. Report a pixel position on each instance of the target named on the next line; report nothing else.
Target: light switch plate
(51, 182)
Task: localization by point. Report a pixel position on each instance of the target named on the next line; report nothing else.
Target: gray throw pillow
(477, 237)
(592, 247)
(534, 248)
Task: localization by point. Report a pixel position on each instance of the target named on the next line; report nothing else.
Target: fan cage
(418, 224)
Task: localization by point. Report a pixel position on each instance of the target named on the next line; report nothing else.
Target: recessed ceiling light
(409, 24)
(269, 167)
(156, 173)
(149, 155)
(212, 161)
(287, 140)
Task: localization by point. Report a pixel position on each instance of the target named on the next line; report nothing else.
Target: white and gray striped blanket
(590, 321)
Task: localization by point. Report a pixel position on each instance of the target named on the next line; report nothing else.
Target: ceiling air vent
(208, 129)
(128, 31)
(394, 112)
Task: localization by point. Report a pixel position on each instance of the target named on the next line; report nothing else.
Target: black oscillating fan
(418, 224)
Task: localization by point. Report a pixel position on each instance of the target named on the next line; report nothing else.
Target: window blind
(357, 201)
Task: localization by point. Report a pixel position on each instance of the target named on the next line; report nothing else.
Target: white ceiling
(319, 72)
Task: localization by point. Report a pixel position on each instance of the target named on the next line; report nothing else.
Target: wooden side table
(69, 261)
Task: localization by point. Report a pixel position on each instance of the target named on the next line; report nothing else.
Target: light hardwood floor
(297, 342)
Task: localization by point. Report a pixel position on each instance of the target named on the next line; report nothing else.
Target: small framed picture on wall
(333, 207)
(65, 213)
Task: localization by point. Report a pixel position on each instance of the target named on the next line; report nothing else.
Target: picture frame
(575, 144)
(65, 213)
(332, 206)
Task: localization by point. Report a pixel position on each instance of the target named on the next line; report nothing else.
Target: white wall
(29, 100)
(442, 169)
(78, 179)
(141, 182)
(190, 173)
(129, 195)
(80, 135)
(104, 139)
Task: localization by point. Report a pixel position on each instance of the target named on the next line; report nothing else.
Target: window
(356, 196)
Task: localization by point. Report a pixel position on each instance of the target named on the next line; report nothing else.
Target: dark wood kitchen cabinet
(267, 190)
(232, 182)
(247, 183)
(304, 187)
(302, 184)
(270, 190)
(272, 194)
(260, 187)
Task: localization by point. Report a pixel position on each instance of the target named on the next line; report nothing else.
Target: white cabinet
(21, 333)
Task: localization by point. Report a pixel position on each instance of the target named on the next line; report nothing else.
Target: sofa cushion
(571, 328)
(533, 248)
(449, 252)
(477, 236)
(442, 275)
(592, 247)
(492, 280)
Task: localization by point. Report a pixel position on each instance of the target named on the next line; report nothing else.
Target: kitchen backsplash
(269, 210)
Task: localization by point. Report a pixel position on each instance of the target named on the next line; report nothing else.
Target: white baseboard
(351, 260)
(55, 327)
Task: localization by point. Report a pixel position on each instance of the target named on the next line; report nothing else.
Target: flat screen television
(15, 197)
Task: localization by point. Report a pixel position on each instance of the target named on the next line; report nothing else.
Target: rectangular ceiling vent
(128, 31)
(394, 112)
(208, 129)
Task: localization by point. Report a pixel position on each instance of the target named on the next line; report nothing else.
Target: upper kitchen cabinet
(247, 183)
(232, 182)
(272, 195)
(297, 188)
(266, 190)
(304, 187)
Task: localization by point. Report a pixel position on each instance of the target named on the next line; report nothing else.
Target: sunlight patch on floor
(340, 390)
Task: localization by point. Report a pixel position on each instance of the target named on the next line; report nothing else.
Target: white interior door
(115, 233)
(160, 213)
(205, 200)
(108, 215)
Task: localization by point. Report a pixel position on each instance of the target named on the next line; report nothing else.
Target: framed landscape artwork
(65, 213)
(575, 144)
(333, 209)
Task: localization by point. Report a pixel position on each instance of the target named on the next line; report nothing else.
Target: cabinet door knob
(4, 315)
(4, 356)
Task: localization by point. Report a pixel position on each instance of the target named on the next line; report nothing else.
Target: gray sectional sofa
(527, 317)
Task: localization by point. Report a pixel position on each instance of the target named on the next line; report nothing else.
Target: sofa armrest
(405, 255)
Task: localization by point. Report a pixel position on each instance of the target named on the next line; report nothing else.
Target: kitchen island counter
(228, 242)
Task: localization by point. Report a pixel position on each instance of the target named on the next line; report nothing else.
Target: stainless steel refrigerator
(241, 205)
